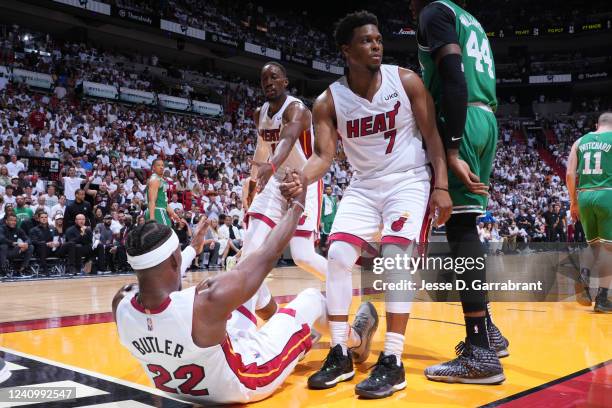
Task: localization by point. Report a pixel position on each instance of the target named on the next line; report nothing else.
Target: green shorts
(161, 216)
(595, 207)
(477, 149)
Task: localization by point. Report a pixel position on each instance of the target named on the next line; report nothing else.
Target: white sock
(394, 344)
(339, 334)
(354, 339)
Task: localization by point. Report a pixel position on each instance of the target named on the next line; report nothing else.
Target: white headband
(155, 256)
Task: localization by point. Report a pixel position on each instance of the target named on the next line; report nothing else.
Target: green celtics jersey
(162, 196)
(595, 161)
(477, 58)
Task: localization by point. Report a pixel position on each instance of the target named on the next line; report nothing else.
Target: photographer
(47, 242)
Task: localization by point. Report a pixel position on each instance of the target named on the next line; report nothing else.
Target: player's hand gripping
(462, 170)
(199, 235)
(440, 200)
(295, 187)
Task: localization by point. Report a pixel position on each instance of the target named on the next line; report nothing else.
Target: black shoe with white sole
(336, 368)
(474, 365)
(385, 378)
(365, 325)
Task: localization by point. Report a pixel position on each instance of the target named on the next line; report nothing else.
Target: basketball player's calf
(603, 268)
(338, 365)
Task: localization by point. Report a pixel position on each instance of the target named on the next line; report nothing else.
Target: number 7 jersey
(380, 137)
(477, 59)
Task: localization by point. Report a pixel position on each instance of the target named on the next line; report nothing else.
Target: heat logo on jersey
(270, 135)
(398, 224)
(371, 125)
(303, 219)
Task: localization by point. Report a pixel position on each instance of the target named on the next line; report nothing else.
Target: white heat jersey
(162, 343)
(239, 370)
(269, 129)
(379, 137)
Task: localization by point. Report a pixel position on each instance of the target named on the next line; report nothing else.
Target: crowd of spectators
(550, 63)
(511, 15)
(106, 149)
(294, 31)
(525, 193)
(69, 63)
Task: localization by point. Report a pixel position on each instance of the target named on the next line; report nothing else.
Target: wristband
(441, 188)
(273, 167)
(300, 204)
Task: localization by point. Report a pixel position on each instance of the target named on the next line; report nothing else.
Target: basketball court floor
(61, 332)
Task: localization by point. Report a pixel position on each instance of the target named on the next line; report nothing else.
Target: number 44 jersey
(477, 59)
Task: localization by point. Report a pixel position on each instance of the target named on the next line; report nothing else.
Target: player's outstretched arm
(326, 140)
(296, 120)
(425, 116)
(218, 296)
(570, 180)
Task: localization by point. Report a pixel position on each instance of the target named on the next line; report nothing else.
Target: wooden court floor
(62, 330)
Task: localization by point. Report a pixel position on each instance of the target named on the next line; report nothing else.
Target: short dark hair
(147, 237)
(277, 65)
(345, 26)
(158, 159)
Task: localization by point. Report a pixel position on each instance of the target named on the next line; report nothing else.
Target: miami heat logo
(303, 219)
(398, 224)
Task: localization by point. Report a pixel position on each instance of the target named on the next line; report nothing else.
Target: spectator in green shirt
(22, 211)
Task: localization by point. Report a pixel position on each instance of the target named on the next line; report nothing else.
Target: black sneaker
(5, 373)
(385, 378)
(581, 286)
(365, 324)
(474, 365)
(497, 341)
(336, 368)
(602, 303)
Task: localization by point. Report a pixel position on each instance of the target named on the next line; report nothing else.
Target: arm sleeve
(453, 100)
(437, 25)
